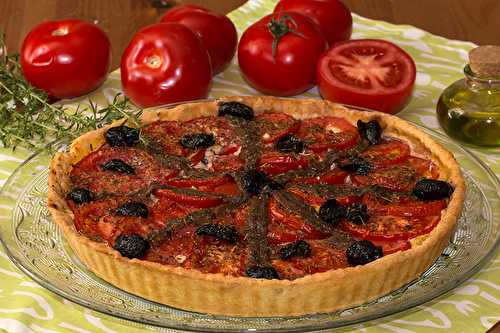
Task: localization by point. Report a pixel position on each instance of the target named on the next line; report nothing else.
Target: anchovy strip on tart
(257, 206)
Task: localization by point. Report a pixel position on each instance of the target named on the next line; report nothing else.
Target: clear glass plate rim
(438, 292)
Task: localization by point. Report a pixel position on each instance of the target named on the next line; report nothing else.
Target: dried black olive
(137, 209)
(431, 189)
(80, 195)
(357, 213)
(289, 143)
(131, 246)
(117, 165)
(220, 231)
(122, 136)
(297, 249)
(371, 131)
(262, 272)
(236, 109)
(356, 164)
(363, 252)
(255, 182)
(331, 212)
(197, 140)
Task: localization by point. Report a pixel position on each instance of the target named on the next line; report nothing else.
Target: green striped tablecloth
(472, 307)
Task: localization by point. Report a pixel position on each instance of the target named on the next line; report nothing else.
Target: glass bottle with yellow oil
(469, 109)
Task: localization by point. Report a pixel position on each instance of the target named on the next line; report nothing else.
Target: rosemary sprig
(28, 119)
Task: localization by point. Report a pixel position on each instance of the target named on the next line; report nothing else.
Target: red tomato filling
(394, 215)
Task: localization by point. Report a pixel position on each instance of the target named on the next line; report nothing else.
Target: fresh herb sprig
(28, 119)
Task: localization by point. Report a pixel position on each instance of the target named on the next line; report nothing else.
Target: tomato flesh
(274, 162)
(391, 227)
(272, 126)
(387, 153)
(321, 134)
(369, 73)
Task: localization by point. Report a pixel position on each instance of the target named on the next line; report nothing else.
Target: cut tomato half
(369, 73)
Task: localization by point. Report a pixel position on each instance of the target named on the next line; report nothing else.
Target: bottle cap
(485, 61)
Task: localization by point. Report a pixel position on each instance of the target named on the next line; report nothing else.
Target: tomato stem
(280, 27)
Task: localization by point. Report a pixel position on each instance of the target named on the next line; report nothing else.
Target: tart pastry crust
(219, 294)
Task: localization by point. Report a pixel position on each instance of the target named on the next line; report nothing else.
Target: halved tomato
(389, 152)
(274, 162)
(323, 133)
(272, 126)
(391, 227)
(369, 73)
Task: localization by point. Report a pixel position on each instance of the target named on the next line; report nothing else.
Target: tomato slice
(396, 178)
(403, 206)
(284, 227)
(167, 135)
(393, 246)
(217, 184)
(369, 73)
(316, 201)
(391, 227)
(180, 249)
(273, 162)
(324, 256)
(323, 133)
(88, 173)
(272, 126)
(189, 200)
(423, 167)
(332, 177)
(387, 153)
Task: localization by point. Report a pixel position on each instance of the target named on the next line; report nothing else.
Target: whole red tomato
(332, 16)
(370, 73)
(67, 58)
(216, 31)
(165, 63)
(278, 54)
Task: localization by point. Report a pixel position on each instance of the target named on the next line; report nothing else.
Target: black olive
(371, 131)
(80, 195)
(236, 109)
(331, 212)
(220, 231)
(357, 213)
(262, 272)
(131, 246)
(363, 252)
(122, 136)
(117, 165)
(289, 143)
(197, 140)
(431, 189)
(356, 164)
(137, 209)
(255, 182)
(297, 249)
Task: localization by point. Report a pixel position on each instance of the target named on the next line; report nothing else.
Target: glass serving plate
(35, 244)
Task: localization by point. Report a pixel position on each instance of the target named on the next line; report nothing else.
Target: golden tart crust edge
(240, 296)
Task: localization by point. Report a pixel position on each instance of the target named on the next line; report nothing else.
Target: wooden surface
(477, 21)
(474, 20)
(119, 18)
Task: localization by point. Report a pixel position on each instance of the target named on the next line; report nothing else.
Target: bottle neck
(480, 83)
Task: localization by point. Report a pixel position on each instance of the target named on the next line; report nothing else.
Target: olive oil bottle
(469, 109)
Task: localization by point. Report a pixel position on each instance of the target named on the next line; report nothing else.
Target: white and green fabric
(474, 306)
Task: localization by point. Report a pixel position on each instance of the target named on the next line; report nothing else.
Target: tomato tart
(257, 206)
